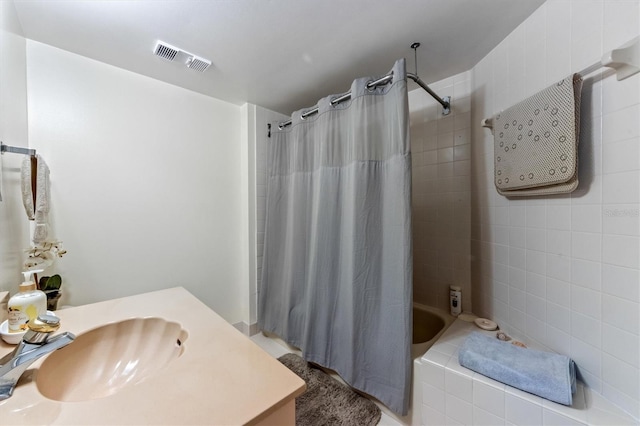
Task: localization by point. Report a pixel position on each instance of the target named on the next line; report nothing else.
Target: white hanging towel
(25, 183)
(536, 142)
(37, 211)
(0, 178)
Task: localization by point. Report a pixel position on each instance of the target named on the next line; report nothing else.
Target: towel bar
(16, 150)
(625, 60)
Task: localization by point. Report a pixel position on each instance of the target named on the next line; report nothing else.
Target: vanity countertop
(221, 376)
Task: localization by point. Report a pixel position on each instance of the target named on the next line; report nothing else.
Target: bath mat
(327, 401)
(536, 142)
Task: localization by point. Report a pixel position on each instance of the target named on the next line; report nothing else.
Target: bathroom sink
(106, 359)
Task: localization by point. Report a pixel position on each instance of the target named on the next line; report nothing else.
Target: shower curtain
(337, 263)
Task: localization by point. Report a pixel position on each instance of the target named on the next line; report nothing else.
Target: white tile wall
(441, 153)
(573, 260)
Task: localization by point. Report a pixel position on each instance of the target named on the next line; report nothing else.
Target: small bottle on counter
(455, 300)
(26, 305)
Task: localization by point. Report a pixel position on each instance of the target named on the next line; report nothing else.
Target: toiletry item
(501, 335)
(26, 305)
(4, 305)
(467, 317)
(455, 300)
(486, 324)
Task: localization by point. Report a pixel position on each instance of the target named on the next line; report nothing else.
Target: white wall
(441, 192)
(564, 270)
(145, 179)
(14, 228)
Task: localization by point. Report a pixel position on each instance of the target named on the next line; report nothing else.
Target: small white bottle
(455, 300)
(26, 305)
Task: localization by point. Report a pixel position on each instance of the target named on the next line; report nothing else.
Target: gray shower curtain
(337, 265)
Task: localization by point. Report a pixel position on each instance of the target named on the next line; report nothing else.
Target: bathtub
(428, 325)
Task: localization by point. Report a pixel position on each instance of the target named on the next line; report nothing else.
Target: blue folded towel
(545, 374)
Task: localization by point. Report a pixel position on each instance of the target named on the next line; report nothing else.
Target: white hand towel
(25, 184)
(40, 211)
(41, 232)
(0, 178)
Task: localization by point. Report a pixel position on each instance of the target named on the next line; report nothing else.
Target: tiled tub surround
(453, 395)
(441, 192)
(564, 270)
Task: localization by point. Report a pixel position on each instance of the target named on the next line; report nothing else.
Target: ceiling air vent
(175, 54)
(198, 64)
(166, 51)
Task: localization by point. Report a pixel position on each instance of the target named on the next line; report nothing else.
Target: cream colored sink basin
(106, 359)
(216, 376)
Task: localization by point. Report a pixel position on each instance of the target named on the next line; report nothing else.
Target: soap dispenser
(26, 305)
(455, 300)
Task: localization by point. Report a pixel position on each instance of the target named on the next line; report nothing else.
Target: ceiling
(280, 54)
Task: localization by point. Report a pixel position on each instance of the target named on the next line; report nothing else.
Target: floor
(276, 349)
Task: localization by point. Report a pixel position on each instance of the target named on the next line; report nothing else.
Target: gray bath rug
(327, 401)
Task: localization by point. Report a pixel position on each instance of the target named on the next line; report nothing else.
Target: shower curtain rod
(445, 101)
(16, 150)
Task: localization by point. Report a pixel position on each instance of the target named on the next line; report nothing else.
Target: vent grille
(175, 54)
(198, 64)
(166, 51)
